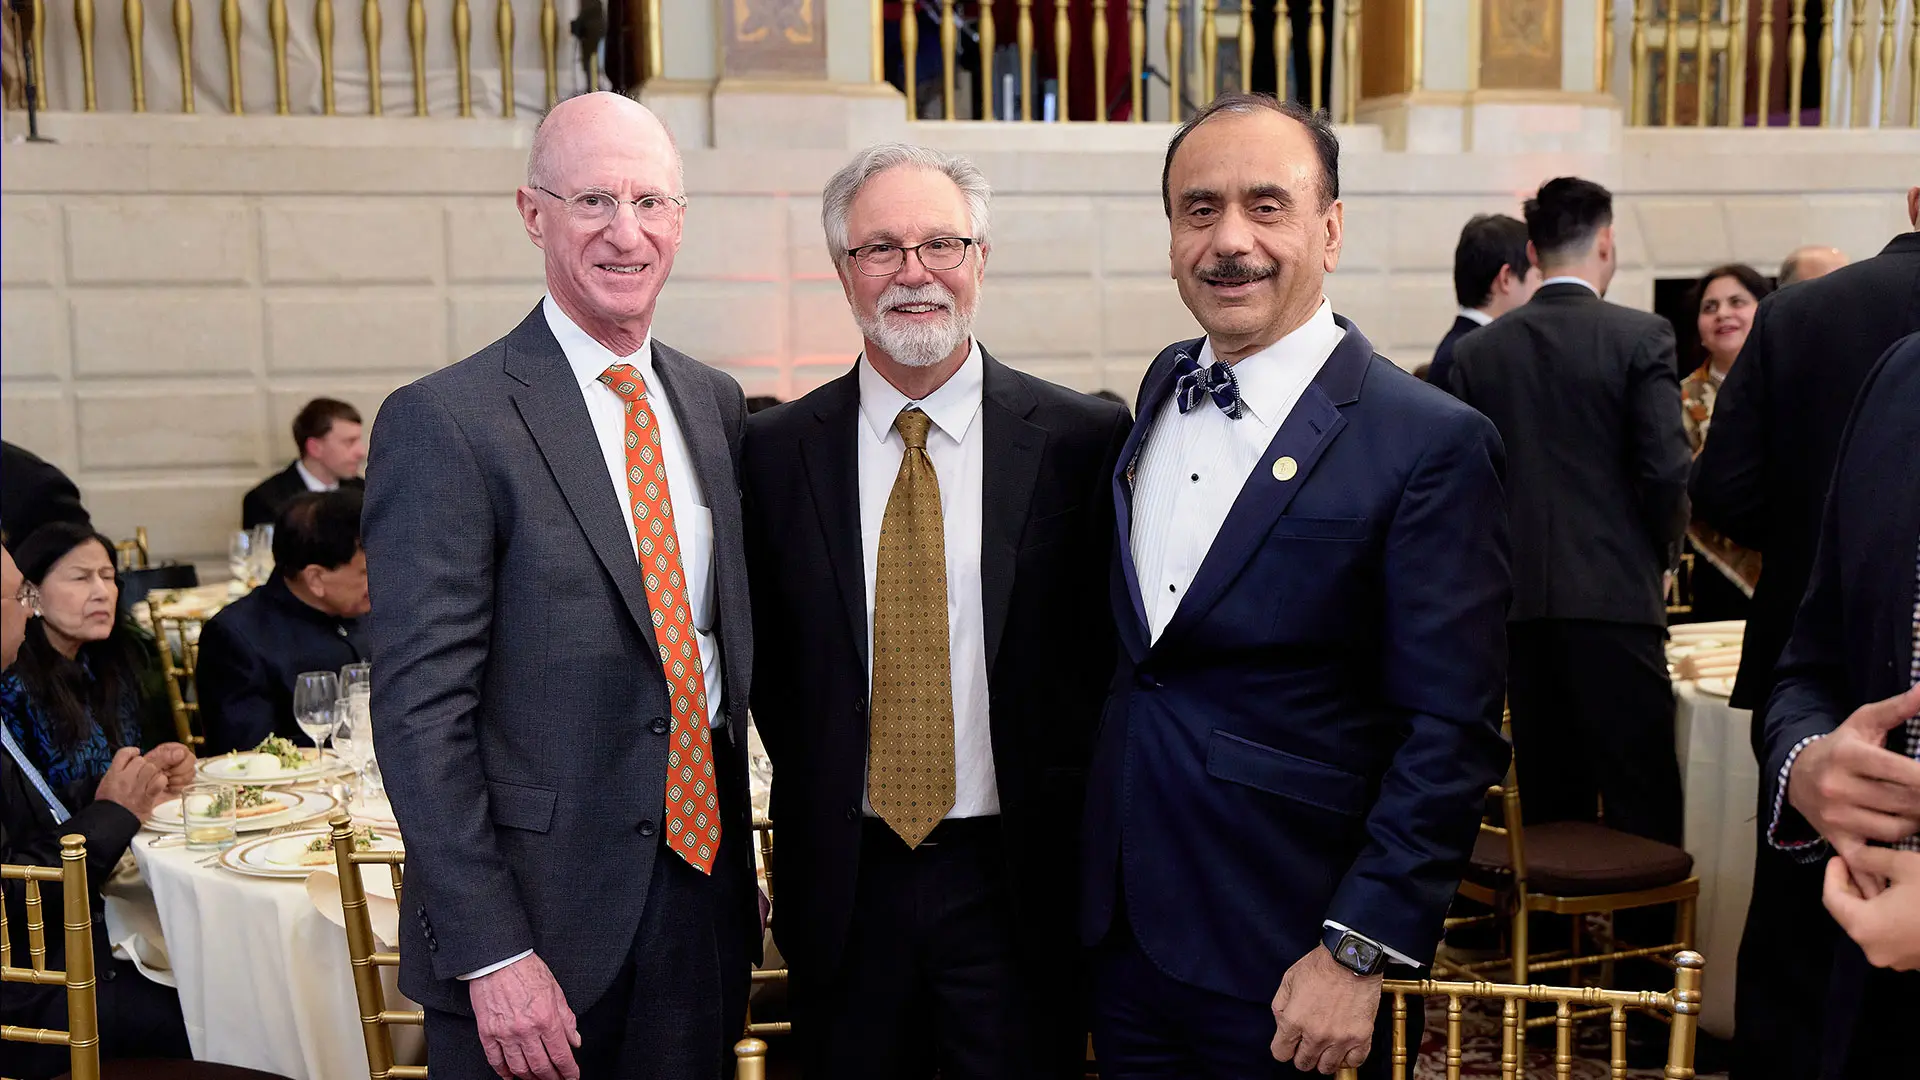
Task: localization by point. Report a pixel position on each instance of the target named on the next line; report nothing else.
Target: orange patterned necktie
(693, 810)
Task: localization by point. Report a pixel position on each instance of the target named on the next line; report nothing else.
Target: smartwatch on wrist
(1353, 952)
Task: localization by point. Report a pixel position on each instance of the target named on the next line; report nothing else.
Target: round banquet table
(1721, 782)
(263, 976)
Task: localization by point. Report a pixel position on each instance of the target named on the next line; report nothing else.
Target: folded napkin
(323, 888)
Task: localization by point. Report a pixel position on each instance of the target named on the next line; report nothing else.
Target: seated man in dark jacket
(305, 619)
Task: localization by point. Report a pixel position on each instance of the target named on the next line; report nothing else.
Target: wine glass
(260, 555)
(315, 694)
(240, 556)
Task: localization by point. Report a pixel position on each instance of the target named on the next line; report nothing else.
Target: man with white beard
(928, 540)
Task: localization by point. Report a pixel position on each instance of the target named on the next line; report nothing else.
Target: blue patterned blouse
(62, 767)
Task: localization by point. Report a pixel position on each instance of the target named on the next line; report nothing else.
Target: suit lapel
(1153, 395)
(1012, 454)
(833, 474)
(555, 413)
(1304, 436)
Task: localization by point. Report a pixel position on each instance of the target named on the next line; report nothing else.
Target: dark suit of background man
(34, 492)
(1841, 760)
(940, 935)
(1585, 394)
(1311, 592)
(1762, 480)
(327, 436)
(308, 618)
(1492, 275)
(564, 730)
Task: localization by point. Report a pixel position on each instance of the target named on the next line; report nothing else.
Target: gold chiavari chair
(1570, 868)
(134, 554)
(177, 637)
(1680, 596)
(82, 1037)
(364, 954)
(750, 1052)
(1682, 1004)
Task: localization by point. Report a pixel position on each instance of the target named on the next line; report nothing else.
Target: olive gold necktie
(910, 739)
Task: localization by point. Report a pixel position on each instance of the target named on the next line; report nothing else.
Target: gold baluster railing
(1099, 61)
(1671, 91)
(1889, 30)
(1282, 47)
(1176, 50)
(370, 29)
(1796, 59)
(909, 53)
(1638, 56)
(1023, 38)
(1736, 63)
(1703, 62)
(1244, 38)
(417, 44)
(550, 50)
(323, 31)
(949, 44)
(1857, 61)
(277, 30)
(876, 44)
(1062, 54)
(134, 15)
(1350, 52)
(989, 89)
(1763, 63)
(1137, 58)
(40, 53)
(1209, 50)
(1828, 114)
(1603, 79)
(183, 36)
(230, 31)
(656, 40)
(1913, 68)
(1316, 54)
(83, 24)
(503, 29)
(463, 53)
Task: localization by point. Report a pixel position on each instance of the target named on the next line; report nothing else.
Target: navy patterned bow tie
(1216, 381)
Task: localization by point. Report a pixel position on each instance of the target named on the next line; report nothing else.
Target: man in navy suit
(1492, 275)
(1311, 592)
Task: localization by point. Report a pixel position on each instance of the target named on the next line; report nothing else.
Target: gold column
(1209, 50)
(989, 89)
(134, 14)
(1176, 49)
(323, 31)
(463, 53)
(1137, 58)
(909, 51)
(1796, 59)
(1763, 60)
(40, 52)
(1827, 111)
(1671, 90)
(1637, 53)
(183, 36)
(370, 29)
(1350, 77)
(1099, 61)
(1703, 62)
(1282, 47)
(1736, 64)
(1023, 37)
(1245, 36)
(1889, 30)
(503, 27)
(550, 50)
(1062, 54)
(1857, 61)
(1603, 78)
(1316, 54)
(417, 42)
(277, 29)
(83, 25)
(949, 41)
(230, 30)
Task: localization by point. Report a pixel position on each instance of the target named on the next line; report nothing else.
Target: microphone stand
(23, 15)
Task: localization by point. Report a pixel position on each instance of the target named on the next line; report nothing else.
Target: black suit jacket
(1852, 640)
(1442, 367)
(1763, 475)
(33, 493)
(1586, 400)
(250, 654)
(1046, 534)
(523, 714)
(263, 504)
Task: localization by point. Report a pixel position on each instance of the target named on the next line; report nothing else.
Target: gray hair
(845, 186)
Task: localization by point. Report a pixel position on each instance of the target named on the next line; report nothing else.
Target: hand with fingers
(176, 761)
(1852, 789)
(1887, 926)
(526, 1028)
(133, 782)
(1323, 1014)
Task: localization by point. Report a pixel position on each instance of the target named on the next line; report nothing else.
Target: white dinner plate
(279, 856)
(298, 806)
(265, 769)
(1717, 686)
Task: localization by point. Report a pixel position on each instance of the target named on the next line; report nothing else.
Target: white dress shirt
(1475, 315)
(955, 442)
(1569, 279)
(313, 482)
(1192, 465)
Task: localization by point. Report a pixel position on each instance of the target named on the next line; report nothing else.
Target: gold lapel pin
(1285, 469)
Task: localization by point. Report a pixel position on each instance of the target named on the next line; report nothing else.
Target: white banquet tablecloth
(1721, 782)
(263, 976)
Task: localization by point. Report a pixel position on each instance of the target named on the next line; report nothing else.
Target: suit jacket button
(659, 725)
(859, 708)
(646, 828)
(853, 813)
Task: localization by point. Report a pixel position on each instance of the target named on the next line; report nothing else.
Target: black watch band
(1357, 954)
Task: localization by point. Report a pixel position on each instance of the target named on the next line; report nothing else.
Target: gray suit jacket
(520, 708)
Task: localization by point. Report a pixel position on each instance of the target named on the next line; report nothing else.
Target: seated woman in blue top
(71, 699)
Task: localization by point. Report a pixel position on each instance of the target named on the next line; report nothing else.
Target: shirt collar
(1569, 279)
(1268, 377)
(951, 408)
(1475, 315)
(587, 357)
(313, 482)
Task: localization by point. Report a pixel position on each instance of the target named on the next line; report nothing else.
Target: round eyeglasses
(595, 208)
(939, 253)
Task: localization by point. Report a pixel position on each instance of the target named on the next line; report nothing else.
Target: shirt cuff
(491, 968)
(1805, 851)
(1396, 957)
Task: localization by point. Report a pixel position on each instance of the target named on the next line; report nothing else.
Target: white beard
(915, 344)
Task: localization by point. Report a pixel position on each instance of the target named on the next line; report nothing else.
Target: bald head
(584, 127)
(1809, 262)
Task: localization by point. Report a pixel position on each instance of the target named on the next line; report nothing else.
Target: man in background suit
(949, 921)
(1311, 592)
(1762, 481)
(34, 492)
(1807, 262)
(563, 728)
(1586, 397)
(1841, 756)
(327, 434)
(308, 618)
(1492, 275)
